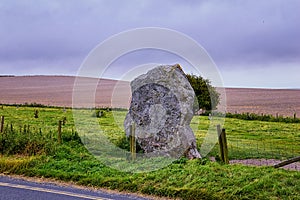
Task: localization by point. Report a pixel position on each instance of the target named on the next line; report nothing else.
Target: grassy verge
(187, 180)
(195, 179)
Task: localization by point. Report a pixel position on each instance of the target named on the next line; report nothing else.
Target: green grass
(188, 180)
(258, 139)
(195, 179)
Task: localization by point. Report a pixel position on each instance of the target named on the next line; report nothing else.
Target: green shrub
(99, 113)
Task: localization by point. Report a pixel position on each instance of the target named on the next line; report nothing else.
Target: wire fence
(249, 142)
(261, 147)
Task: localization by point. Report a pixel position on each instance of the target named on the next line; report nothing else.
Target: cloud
(275, 76)
(234, 33)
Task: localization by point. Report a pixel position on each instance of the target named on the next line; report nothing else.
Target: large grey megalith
(161, 109)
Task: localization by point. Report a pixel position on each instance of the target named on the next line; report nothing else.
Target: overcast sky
(253, 43)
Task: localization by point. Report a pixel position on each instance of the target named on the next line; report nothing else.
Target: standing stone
(161, 109)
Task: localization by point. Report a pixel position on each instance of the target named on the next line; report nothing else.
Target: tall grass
(26, 134)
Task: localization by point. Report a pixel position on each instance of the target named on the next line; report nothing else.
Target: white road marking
(52, 191)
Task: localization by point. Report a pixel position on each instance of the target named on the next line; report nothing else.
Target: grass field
(29, 146)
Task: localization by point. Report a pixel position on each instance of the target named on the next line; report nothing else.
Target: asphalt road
(19, 189)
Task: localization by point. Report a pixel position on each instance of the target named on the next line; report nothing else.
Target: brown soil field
(58, 91)
(284, 102)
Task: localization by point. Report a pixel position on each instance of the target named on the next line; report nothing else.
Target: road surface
(19, 189)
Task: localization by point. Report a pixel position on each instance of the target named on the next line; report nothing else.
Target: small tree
(207, 96)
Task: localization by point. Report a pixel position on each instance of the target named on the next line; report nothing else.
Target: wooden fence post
(220, 142)
(59, 132)
(132, 142)
(223, 145)
(2, 124)
(1, 131)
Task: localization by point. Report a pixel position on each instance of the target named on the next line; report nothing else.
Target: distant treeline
(263, 117)
(7, 75)
(38, 105)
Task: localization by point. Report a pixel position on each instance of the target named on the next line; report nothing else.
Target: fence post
(132, 142)
(2, 124)
(59, 132)
(11, 127)
(1, 131)
(225, 147)
(223, 144)
(219, 132)
(295, 116)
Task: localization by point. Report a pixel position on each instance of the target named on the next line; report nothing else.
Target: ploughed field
(57, 91)
(283, 102)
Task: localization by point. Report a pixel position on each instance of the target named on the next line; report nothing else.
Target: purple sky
(253, 43)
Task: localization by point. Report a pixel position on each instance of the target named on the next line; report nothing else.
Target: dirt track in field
(58, 90)
(266, 162)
